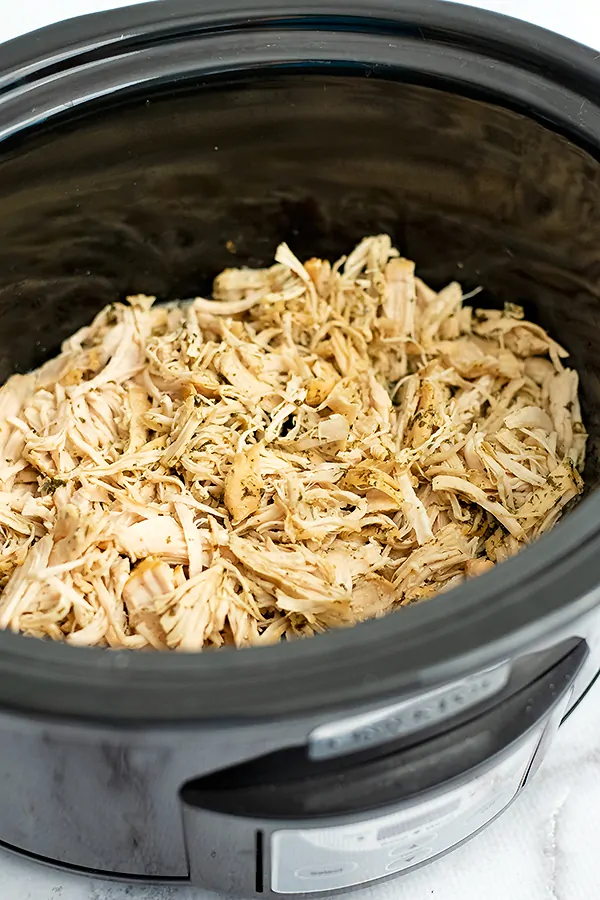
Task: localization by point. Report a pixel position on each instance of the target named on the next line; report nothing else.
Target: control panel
(314, 860)
(318, 826)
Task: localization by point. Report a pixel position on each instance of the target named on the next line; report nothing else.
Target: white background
(547, 846)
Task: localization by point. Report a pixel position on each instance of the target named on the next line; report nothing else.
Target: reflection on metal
(409, 716)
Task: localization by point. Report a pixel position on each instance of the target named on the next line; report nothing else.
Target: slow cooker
(136, 147)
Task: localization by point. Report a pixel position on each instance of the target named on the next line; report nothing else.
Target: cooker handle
(236, 826)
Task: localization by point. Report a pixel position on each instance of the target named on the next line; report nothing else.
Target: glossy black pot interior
(145, 188)
(146, 196)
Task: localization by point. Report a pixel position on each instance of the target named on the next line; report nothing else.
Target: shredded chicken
(317, 445)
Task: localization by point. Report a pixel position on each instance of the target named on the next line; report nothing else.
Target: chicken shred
(317, 445)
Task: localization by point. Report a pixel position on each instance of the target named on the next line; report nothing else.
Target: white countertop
(547, 845)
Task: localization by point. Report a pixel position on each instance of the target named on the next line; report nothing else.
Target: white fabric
(546, 847)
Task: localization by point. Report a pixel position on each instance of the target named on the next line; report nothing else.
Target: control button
(411, 859)
(331, 871)
(409, 849)
(355, 842)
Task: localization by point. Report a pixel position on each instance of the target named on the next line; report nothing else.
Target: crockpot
(136, 147)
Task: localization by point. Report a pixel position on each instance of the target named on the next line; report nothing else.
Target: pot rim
(65, 43)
